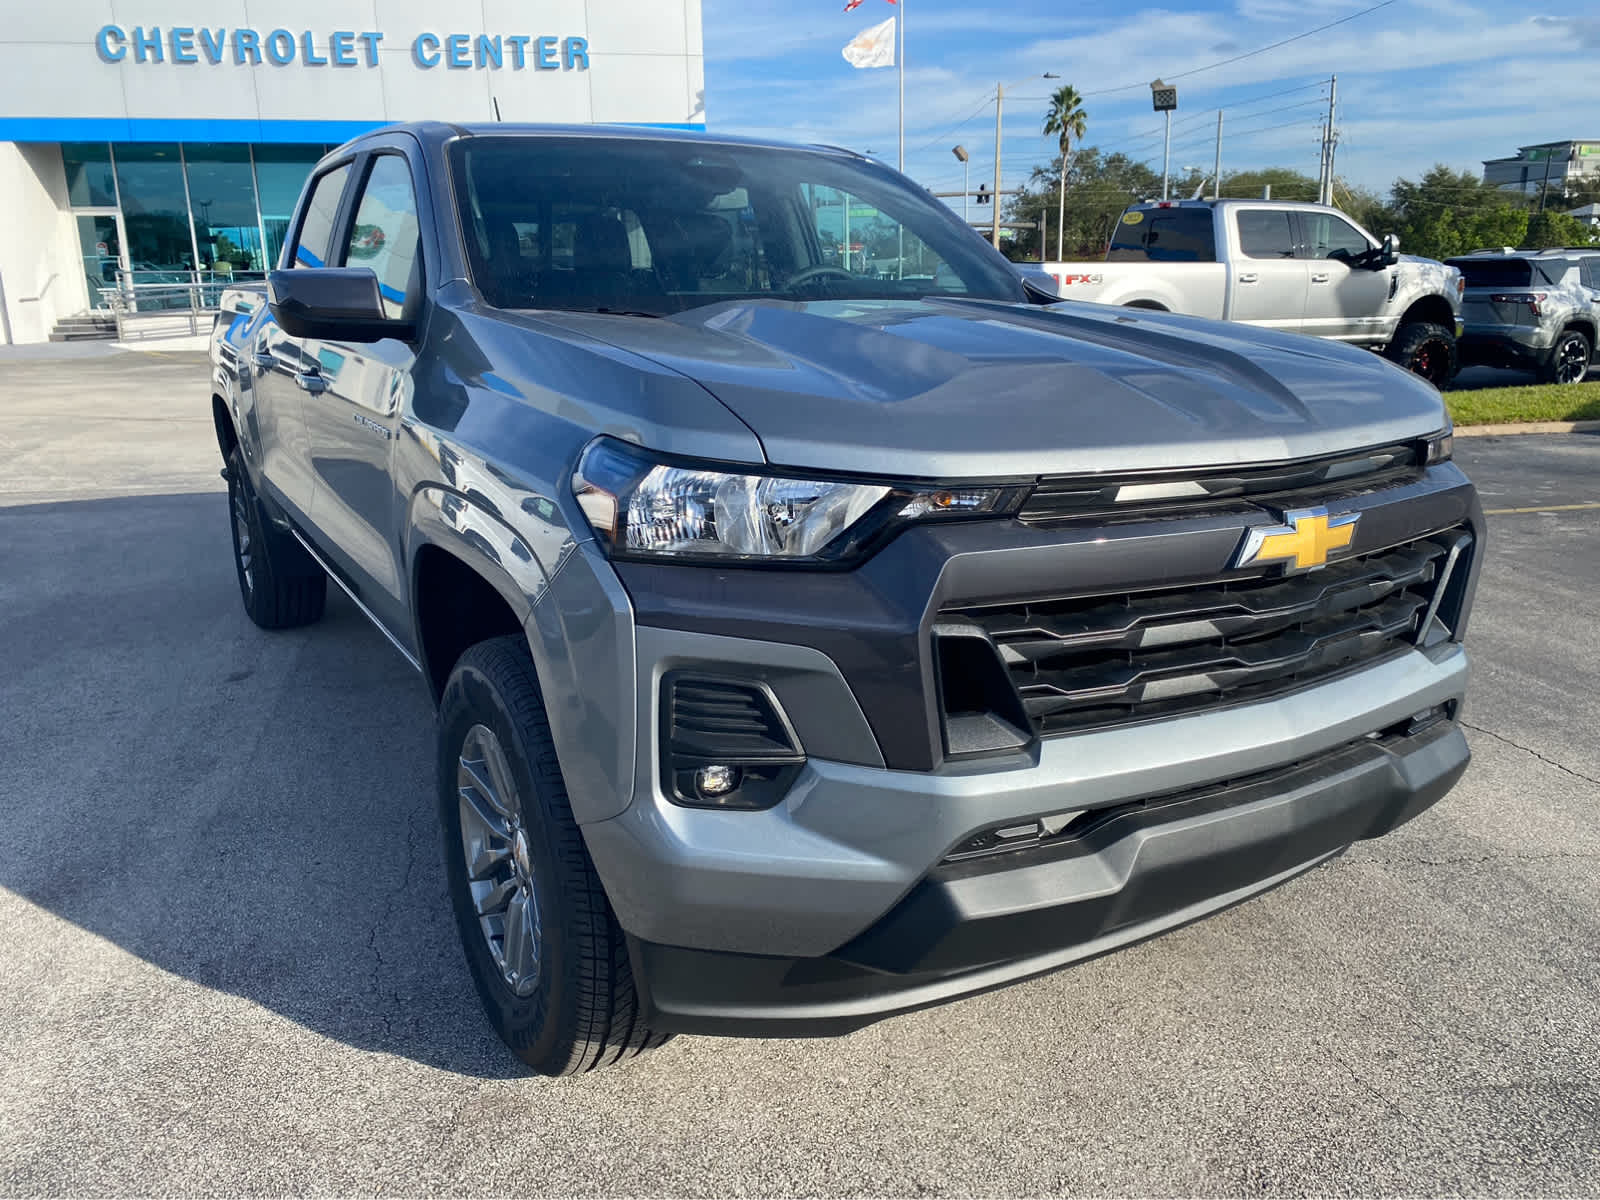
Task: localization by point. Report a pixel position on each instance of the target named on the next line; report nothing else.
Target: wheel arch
(1146, 304)
(1433, 310)
(461, 590)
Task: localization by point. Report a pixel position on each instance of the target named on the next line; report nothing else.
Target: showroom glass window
(281, 173)
(222, 199)
(89, 180)
(155, 210)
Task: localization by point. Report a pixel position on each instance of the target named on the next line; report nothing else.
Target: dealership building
(138, 144)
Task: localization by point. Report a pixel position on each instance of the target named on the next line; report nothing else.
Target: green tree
(1066, 119)
(1286, 183)
(1449, 212)
(1100, 187)
(1552, 229)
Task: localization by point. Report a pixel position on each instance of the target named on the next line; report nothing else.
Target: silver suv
(1534, 310)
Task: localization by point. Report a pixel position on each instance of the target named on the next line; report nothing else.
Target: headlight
(642, 506)
(1440, 448)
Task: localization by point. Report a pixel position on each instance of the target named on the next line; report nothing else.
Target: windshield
(659, 227)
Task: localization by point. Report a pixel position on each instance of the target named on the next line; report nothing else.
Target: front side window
(1328, 236)
(1265, 233)
(659, 227)
(386, 235)
(322, 210)
(1589, 272)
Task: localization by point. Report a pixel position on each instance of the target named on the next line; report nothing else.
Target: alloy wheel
(1430, 360)
(500, 872)
(1572, 361)
(241, 537)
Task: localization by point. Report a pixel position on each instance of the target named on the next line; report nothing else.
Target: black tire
(1425, 349)
(281, 585)
(583, 1010)
(1569, 359)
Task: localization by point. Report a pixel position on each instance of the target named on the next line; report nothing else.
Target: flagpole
(900, 58)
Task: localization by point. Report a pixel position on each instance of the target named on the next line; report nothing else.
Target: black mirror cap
(340, 304)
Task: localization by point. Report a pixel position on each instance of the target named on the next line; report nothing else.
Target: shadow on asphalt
(252, 811)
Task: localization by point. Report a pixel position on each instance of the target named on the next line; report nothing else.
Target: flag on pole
(872, 47)
(852, 5)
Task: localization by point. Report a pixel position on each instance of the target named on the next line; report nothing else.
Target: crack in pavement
(383, 1009)
(1500, 737)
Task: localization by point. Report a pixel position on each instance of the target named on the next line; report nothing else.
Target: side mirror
(1389, 252)
(335, 304)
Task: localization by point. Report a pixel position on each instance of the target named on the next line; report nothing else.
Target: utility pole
(1216, 171)
(1325, 188)
(999, 105)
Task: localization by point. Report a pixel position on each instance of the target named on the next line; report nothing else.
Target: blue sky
(1420, 81)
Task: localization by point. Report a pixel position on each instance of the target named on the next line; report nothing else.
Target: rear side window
(316, 230)
(1164, 235)
(386, 235)
(1494, 272)
(1265, 233)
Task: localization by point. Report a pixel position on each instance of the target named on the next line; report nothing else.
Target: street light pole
(1164, 98)
(999, 106)
(965, 160)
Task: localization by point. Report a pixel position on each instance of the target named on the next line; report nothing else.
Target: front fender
(575, 613)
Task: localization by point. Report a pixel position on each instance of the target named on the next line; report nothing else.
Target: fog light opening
(717, 780)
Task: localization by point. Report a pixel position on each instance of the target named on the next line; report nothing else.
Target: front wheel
(1425, 349)
(1569, 359)
(541, 941)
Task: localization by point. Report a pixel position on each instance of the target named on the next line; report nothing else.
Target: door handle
(1319, 279)
(1249, 277)
(311, 381)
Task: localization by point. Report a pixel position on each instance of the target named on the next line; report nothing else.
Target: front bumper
(969, 927)
(838, 905)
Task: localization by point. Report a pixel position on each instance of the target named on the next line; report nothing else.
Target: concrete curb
(1528, 427)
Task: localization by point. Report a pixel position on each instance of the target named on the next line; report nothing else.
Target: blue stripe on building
(210, 129)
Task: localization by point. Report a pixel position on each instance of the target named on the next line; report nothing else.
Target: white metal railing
(158, 303)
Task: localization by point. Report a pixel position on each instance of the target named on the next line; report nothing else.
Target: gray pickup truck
(807, 646)
(1298, 268)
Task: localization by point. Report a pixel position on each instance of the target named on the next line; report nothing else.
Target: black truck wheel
(1425, 349)
(1569, 359)
(543, 945)
(281, 585)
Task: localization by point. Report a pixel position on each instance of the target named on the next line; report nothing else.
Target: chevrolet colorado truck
(809, 647)
(1300, 268)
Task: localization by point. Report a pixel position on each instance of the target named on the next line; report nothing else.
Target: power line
(1128, 87)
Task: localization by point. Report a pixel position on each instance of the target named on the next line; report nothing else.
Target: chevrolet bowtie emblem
(1306, 539)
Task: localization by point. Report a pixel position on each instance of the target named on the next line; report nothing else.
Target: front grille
(1102, 660)
(1068, 498)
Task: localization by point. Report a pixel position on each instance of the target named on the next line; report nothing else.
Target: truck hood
(951, 389)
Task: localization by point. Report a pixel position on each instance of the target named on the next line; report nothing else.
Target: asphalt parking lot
(227, 963)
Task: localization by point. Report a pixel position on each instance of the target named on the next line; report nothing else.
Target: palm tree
(1066, 119)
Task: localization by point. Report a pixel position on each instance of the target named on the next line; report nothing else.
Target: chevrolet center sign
(344, 48)
(320, 71)
(156, 141)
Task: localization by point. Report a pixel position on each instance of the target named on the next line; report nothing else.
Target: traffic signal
(983, 193)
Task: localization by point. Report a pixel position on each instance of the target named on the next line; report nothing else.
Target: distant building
(1555, 163)
(1589, 214)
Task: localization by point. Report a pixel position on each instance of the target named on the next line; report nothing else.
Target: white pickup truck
(1302, 268)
